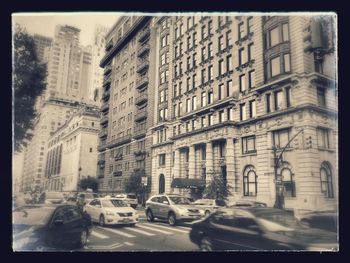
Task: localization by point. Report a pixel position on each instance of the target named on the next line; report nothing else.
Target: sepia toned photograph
(175, 132)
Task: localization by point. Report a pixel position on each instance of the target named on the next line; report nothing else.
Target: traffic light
(314, 37)
(309, 142)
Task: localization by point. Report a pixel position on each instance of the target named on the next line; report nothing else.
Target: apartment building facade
(53, 114)
(127, 103)
(72, 151)
(238, 87)
(42, 45)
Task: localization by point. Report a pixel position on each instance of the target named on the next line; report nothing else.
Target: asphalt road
(145, 236)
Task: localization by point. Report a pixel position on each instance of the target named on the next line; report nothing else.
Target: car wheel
(207, 213)
(83, 238)
(133, 224)
(102, 220)
(172, 219)
(206, 244)
(149, 215)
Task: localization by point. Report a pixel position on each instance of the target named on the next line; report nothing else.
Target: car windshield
(180, 200)
(202, 202)
(53, 195)
(131, 196)
(277, 220)
(114, 203)
(32, 215)
(220, 202)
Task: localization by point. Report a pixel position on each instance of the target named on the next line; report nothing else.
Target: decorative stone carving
(246, 129)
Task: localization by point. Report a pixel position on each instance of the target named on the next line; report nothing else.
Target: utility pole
(277, 159)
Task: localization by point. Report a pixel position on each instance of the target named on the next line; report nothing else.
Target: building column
(209, 161)
(230, 168)
(176, 169)
(191, 162)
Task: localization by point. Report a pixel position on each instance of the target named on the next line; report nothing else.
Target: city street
(155, 236)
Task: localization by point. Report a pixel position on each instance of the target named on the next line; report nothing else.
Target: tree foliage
(217, 188)
(134, 183)
(89, 182)
(29, 81)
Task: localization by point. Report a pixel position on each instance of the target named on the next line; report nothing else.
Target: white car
(111, 211)
(130, 199)
(208, 206)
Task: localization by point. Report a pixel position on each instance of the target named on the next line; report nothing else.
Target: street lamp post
(278, 158)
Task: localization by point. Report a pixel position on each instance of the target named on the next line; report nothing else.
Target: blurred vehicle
(130, 199)
(326, 220)
(208, 206)
(47, 226)
(258, 228)
(72, 197)
(174, 208)
(111, 211)
(84, 198)
(52, 198)
(247, 203)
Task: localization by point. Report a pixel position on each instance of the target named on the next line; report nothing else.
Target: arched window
(326, 180)
(161, 184)
(288, 182)
(250, 184)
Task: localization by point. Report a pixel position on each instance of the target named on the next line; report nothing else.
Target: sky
(45, 23)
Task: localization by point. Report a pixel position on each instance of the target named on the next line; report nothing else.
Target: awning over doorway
(187, 183)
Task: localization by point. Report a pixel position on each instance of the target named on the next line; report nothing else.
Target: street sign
(144, 180)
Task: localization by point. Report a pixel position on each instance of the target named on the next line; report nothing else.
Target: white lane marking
(139, 231)
(116, 232)
(154, 229)
(169, 228)
(128, 243)
(99, 235)
(184, 227)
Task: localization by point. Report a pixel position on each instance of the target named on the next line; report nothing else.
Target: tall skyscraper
(98, 46)
(69, 65)
(42, 44)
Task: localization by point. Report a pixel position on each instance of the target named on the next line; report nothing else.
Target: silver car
(208, 206)
(173, 208)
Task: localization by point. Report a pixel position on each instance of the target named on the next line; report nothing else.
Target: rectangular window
(210, 27)
(250, 51)
(188, 63)
(250, 25)
(221, 43)
(210, 50)
(194, 81)
(251, 79)
(187, 126)
(280, 138)
(275, 66)
(229, 62)
(210, 97)
(180, 109)
(248, 145)
(252, 108)
(194, 103)
(162, 159)
(230, 114)
(286, 59)
(274, 36)
(268, 103)
(323, 138)
(321, 97)
(242, 83)
(278, 97)
(204, 32)
(188, 105)
(285, 32)
(288, 96)
(241, 57)
(203, 99)
(221, 116)
(211, 120)
(188, 84)
(228, 39)
(240, 30)
(229, 88)
(204, 49)
(203, 77)
(221, 91)
(203, 122)
(243, 113)
(210, 73)
(221, 67)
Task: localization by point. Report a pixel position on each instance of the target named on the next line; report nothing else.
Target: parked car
(208, 206)
(258, 228)
(130, 199)
(52, 198)
(326, 220)
(84, 198)
(111, 211)
(174, 208)
(47, 227)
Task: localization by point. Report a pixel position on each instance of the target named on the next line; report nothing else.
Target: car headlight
(109, 213)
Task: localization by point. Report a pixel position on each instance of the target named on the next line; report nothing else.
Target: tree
(134, 185)
(89, 182)
(29, 81)
(217, 188)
